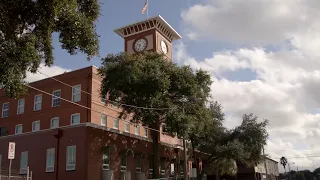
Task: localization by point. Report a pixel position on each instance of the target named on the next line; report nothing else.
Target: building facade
(64, 130)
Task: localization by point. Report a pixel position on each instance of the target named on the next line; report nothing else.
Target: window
(150, 167)
(106, 159)
(5, 110)
(137, 130)
(163, 168)
(50, 160)
(123, 165)
(126, 127)
(76, 93)
(20, 109)
(75, 119)
(54, 123)
(19, 129)
(56, 98)
(71, 158)
(37, 102)
(24, 162)
(103, 120)
(138, 164)
(116, 123)
(145, 132)
(3, 131)
(36, 126)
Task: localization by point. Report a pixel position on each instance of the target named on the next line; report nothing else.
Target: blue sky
(117, 13)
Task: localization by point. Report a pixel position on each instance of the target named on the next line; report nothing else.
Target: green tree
(243, 144)
(26, 28)
(284, 162)
(298, 176)
(307, 174)
(316, 173)
(149, 80)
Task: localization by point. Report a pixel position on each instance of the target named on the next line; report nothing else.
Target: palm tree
(284, 162)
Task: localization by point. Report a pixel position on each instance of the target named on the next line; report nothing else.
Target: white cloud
(250, 21)
(287, 80)
(50, 71)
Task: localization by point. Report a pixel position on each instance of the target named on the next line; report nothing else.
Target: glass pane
(123, 160)
(76, 119)
(103, 120)
(38, 98)
(127, 127)
(55, 123)
(76, 98)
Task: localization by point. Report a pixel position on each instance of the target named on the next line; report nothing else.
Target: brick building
(66, 131)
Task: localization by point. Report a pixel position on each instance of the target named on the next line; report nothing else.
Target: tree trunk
(156, 158)
(217, 175)
(199, 174)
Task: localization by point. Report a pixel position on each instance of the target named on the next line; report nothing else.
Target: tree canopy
(242, 144)
(150, 81)
(26, 28)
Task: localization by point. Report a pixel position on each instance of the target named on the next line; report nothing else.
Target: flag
(145, 7)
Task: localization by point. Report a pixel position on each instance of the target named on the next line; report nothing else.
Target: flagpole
(147, 8)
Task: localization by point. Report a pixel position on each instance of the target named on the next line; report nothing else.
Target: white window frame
(116, 121)
(102, 119)
(55, 97)
(50, 160)
(75, 115)
(126, 125)
(137, 127)
(20, 107)
(51, 124)
(76, 87)
(5, 110)
(36, 102)
(24, 162)
(16, 128)
(146, 132)
(71, 160)
(33, 126)
(106, 153)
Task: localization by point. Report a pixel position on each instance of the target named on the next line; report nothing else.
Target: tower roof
(156, 22)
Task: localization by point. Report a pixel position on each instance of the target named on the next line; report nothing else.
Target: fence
(15, 174)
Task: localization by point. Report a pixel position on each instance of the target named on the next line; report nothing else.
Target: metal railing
(15, 174)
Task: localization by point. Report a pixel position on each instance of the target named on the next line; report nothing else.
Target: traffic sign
(11, 151)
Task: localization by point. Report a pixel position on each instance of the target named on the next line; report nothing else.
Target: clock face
(164, 47)
(140, 45)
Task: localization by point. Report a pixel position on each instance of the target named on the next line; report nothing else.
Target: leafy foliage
(284, 162)
(148, 80)
(26, 28)
(243, 144)
(299, 176)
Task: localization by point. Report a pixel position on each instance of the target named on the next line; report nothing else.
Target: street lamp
(185, 165)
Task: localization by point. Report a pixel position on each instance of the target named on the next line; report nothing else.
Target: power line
(85, 107)
(104, 99)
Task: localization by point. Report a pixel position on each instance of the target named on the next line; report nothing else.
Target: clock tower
(153, 34)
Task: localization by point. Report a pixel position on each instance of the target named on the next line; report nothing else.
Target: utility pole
(185, 164)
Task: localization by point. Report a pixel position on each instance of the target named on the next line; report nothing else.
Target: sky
(262, 55)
